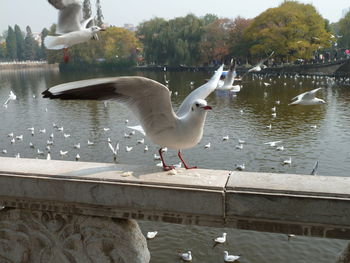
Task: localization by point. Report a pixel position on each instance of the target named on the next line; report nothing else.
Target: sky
(39, 13)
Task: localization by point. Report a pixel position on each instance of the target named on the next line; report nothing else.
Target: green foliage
(11, 46)
(172, 42)
(214, 45)
(292, 30)
(238, 46)
(344, 31)
(151, 35)
(209, 18)
(31, 47)
(2, 50)
(19, 42)
(42, 51)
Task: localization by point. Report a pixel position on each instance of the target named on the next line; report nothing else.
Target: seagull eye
(197, 105)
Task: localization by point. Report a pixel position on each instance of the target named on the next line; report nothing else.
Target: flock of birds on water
(150, 101)
(114, 147)
(220, 240)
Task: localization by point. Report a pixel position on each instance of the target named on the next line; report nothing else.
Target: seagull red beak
(207, 107)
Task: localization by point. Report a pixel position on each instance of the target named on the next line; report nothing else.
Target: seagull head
(321, 101)
(95, 29)
(200, 105)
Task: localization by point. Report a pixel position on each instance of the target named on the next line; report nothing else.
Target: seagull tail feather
(53, 42)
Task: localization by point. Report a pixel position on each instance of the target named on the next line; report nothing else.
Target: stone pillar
(42, 237)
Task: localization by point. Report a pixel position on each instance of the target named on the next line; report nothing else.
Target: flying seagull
(150, 101)
(307, 98)
(260, 64)
(71, 27)
(230, 77)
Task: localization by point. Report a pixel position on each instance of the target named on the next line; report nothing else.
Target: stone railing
(61, 211)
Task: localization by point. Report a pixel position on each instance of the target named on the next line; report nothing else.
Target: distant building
(345, 11)
(130, 27)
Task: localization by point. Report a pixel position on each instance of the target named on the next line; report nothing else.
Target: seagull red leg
(182, 160)
(65, 55)
(165, 167)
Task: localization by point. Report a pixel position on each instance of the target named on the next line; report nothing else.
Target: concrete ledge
(300, 204)
(284, 203)
(189, 197)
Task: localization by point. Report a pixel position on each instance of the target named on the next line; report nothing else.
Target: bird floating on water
(222, 239)
(150, 102)
(273, 144)
(288, 161)
(151, 234)
(240, 167)
(230, 258)
(186, 256)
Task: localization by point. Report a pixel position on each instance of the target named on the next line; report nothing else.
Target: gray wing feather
(58, 4)
(149, 100)
(69, 19)
(230, 77)
(307, 95)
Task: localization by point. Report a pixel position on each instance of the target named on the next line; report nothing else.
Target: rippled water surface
(245, 116)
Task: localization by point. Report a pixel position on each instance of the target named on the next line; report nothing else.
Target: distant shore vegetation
(292, 31)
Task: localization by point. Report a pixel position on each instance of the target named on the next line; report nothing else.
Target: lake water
(308, 134)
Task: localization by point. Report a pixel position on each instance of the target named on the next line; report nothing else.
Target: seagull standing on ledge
(71, 28)
(150, 101)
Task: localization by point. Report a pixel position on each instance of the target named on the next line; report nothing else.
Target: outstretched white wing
(200, 93)
(309, 95)
(149, 100)
(230, 76)
(69, 15)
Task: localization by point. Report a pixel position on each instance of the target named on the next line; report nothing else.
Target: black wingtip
(47, 94)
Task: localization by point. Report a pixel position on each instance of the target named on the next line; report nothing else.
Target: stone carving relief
(42, 237)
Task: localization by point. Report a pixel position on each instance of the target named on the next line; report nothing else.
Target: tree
(99, 13)
(42, 52)
(86, 9)
(172, 42)
(238, 47)
(344, 31)
(119, 44)
(292, 30)
(149, 33)
(2, 50)
(209, 18)
(19, 42)
(30, 45)
(214, 45)
(11, 46)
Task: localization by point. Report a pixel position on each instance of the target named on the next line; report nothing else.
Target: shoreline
(18, 65)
